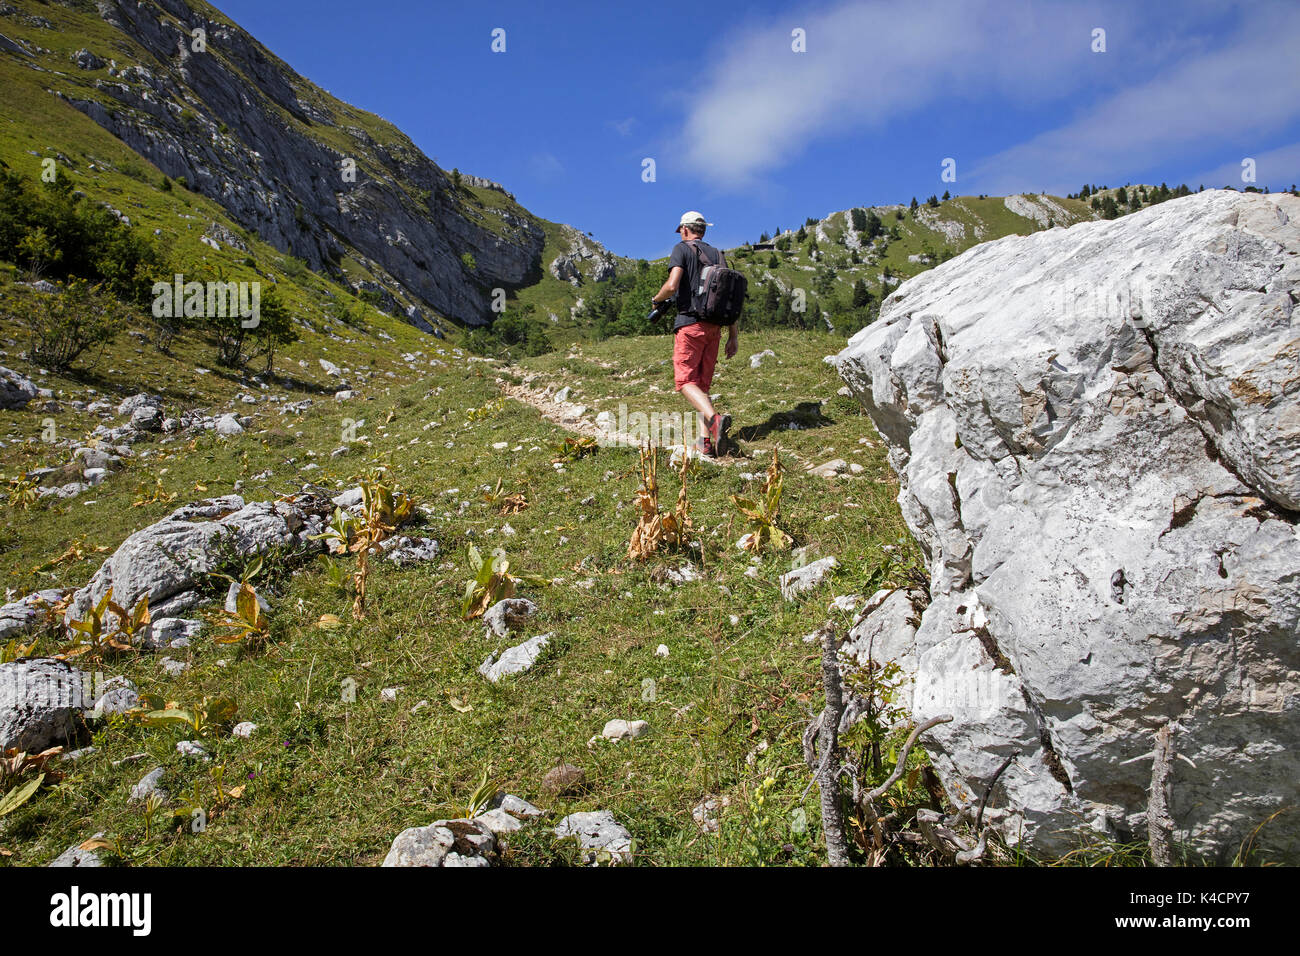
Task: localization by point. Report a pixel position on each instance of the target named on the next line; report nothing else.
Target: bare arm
(669, 289)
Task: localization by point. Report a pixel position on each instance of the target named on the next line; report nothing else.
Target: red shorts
(695, 352)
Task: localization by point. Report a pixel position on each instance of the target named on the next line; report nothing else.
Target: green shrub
(63, 326)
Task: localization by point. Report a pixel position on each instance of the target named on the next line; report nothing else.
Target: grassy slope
(334, 782)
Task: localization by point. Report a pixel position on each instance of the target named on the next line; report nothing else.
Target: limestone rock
(603, 838)
(508, 615)
(806, 578)
(40, 700)
(15, 390)
(514, 660)
(166, 560)
(1097, 437)
(444, 843)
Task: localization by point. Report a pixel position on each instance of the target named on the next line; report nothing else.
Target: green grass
(334, 782)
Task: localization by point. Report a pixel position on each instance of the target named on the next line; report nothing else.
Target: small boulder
(565, 780)
(15, 390)
(803, 579)
(444, 843)
(509, 615)
(514, 660)
(40, 701)
(602, 838)
(624, 729)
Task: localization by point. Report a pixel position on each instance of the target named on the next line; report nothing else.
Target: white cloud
(545, 166)
(1249, 89)
(1278, 168)
(868, 63)
(624, 126)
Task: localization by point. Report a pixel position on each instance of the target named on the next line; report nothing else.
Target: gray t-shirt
(683, 255)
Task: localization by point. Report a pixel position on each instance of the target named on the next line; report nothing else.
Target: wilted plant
(383, 510)
(762, 513)
(13, 650)
(246, 622)
(493, 581)
(14, 766)
(571, 449)
(340, 531)
(156, 494)
(211, 716)
(97, 639)
(507, 503)
(655, 529)
(24, 492)
(486, 411)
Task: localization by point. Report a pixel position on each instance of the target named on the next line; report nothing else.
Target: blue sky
(758, 136)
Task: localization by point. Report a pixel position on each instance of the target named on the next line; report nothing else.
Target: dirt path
(580, 419)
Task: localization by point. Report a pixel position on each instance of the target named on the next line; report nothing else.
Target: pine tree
(946, 195)
(914, 204)
(861, 294)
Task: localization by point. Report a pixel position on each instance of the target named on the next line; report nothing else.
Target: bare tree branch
(828, 774)
(1160, 824)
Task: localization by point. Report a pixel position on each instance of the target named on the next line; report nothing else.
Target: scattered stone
(510, 614)
(408, 551)
(830, 469)
(75, 856)
(117, 696)
(174, 632)
(796, 582)
(244, 729)
(444, 843)
(705, 813)
(15, 390)
(148, 786)
(598, 833)
(756, 360)
(624, 730)
(192, 748)
(514, 660)
(40, 701)
(661, 650)
(517, 806)
(174, 668)
(228, 426)
(565, 780)
(389, 693)
(25, 615)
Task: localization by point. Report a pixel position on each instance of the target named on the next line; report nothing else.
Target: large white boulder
(166, 561)
(1097, 435)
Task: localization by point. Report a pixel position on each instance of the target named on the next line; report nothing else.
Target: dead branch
(1160, 824)
(837, 847)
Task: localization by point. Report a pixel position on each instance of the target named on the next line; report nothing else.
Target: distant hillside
(282, 162)
(833, 272)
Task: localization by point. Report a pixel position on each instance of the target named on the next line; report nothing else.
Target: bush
(50, 229)
(62, 327)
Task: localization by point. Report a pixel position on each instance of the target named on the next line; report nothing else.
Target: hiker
(695, 337)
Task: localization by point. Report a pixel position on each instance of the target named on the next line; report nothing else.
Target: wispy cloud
(1246, 91)
(624, 126)
(545, 166)
(868, 63)
(1278, 167)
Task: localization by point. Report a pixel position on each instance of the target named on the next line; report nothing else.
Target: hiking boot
(704, 446)
(718, 434)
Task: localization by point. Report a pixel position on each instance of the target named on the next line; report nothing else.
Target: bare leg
(699, 400)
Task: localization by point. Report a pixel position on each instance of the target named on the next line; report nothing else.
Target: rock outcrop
(310, 175)
(1097, 436)
(166, 561)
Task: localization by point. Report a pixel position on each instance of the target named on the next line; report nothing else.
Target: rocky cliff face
(242, 128)
(1097, 434)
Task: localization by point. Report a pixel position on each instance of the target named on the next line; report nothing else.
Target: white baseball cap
(692, 218)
